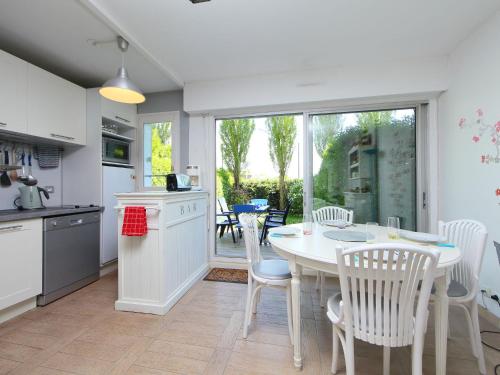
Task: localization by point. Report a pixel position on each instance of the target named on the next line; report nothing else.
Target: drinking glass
(307, 224)
(371, 230)
(393, 227)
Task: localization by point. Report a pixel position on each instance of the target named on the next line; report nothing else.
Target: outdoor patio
(227, 248)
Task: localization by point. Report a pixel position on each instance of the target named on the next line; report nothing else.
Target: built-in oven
(115, 151)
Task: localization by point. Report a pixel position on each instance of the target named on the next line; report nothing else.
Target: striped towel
(134, 221)
(48, 156)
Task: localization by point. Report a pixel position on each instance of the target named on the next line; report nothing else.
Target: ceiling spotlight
(121, 88)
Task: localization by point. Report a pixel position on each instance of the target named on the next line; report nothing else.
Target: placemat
(348, 235)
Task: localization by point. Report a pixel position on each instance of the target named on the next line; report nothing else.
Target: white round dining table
(317, 252)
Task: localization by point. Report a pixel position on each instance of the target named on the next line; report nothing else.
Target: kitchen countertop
(15, 214)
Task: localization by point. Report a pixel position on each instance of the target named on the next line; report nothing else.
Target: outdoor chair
(274, 219)
(225, 220)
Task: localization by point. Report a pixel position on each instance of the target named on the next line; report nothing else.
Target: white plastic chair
(319, 215)
(470, 236)
(262, 273)
(379, 285)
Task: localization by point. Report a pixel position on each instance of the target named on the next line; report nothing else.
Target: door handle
(3, 124)
(76, 222)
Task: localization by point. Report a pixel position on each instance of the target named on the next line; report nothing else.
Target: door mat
(227, 275)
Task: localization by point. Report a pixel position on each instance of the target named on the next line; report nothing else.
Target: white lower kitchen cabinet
(21, 265)
(156, 270)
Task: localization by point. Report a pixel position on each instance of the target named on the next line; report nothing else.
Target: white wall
(341, 83)
(467, 186)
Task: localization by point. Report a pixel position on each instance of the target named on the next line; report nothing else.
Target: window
(157, 153)
(158, 148)
(366, 162)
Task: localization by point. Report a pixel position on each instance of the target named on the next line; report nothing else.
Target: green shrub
(266, 189)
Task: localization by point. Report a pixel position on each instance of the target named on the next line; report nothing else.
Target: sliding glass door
(258, 170)
(366, 162)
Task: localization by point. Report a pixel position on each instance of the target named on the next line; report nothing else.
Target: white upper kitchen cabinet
(123, 113)
(13, 88)
(56, 107)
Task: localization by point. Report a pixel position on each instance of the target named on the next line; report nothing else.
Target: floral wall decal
(484, 130)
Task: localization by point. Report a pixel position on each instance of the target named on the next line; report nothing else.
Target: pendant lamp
(120, 88)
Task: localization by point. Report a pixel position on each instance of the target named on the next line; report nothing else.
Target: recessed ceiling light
(199, 1)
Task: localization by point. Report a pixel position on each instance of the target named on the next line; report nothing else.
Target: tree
(164, 131)
(324, 129)
(235, 135)
(281, 132)
(374, 119)
(161, 153)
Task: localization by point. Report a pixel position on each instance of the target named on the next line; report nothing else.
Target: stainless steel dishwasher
(71, 246)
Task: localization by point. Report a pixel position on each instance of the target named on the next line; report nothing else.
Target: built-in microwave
(115, 151)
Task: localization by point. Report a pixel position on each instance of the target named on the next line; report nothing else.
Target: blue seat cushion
(272, 269)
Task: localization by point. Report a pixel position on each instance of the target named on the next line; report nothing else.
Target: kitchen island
(156, 270)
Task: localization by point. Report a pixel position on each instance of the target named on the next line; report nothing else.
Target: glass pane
(259, 167)
(365, 162)
(157, 153)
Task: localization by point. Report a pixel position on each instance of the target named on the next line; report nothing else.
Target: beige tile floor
(82, 334)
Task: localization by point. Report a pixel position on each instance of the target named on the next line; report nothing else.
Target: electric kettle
(30, 198)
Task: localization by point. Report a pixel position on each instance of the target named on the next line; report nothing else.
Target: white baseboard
(17, 309)
(489, 316)
(150, 307)
(239, 264)
(108, 268)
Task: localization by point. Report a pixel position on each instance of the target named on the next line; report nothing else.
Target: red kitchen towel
(134, 221)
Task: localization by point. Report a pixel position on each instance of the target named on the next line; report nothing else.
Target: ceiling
(54, 34)
(174, 41)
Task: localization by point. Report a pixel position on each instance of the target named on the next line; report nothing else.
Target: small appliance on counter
(193, 171)
(178, 182)
(30, 198)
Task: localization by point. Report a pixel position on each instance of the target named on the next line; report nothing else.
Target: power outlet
(487, 292)
(50, 189)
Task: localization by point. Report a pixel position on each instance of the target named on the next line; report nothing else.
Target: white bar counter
(156, 270)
